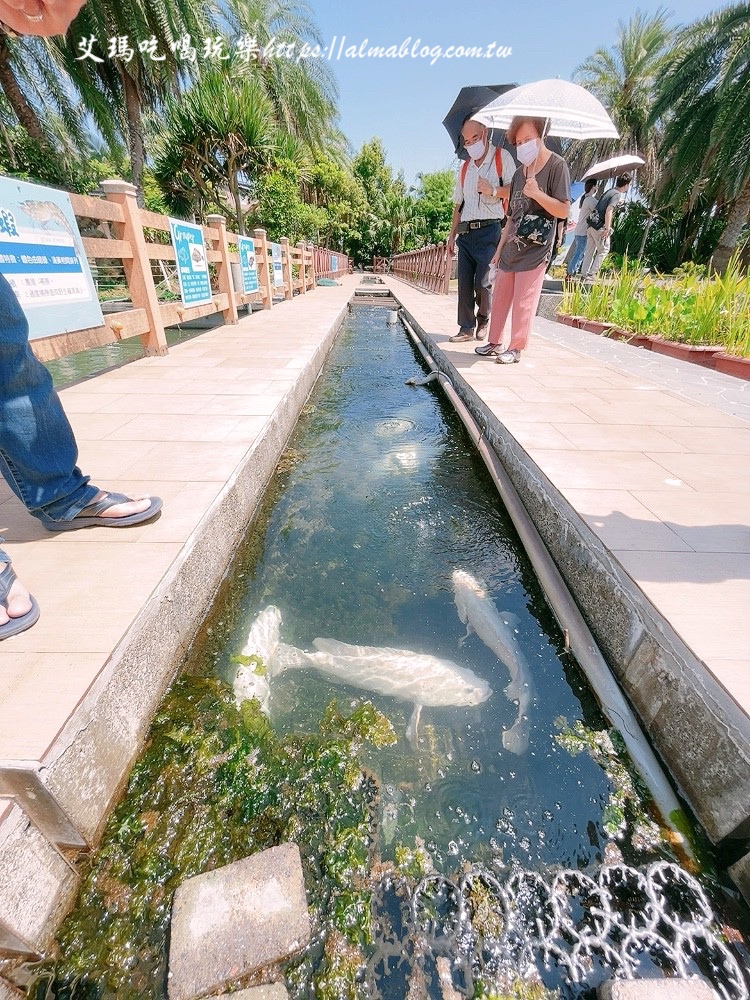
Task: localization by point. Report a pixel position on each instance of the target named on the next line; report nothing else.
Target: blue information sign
(192, 266)
(278, 271)
(42, 257)
(248, 264)
(334, 262)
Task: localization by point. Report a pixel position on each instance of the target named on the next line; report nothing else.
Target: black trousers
(475, 250)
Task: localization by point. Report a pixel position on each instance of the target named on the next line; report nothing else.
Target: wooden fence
(133, 240)
(428, 268)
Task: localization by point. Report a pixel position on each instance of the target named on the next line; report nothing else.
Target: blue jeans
(38, 452)
(579, 249)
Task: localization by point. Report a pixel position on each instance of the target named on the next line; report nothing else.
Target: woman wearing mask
(539, 196)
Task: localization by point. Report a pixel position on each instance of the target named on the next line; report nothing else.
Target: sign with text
(42, 258)
(248, 264)
(192, 266)
(334, 262)
(278, 271)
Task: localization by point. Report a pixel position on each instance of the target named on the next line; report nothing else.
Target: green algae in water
(214, 785)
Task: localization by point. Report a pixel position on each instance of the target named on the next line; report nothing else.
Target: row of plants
(689, 307)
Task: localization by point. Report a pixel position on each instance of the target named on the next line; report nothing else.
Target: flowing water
(483, 864)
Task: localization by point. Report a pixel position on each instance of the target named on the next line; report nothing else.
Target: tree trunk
(738, 216)
(23, 110)
(234, 187)
(135, 131)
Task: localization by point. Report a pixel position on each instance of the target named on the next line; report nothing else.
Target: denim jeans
(38, 452)
(576, 257)
(475, 250)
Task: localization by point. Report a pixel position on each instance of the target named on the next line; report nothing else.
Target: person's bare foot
(134, 506)
(17, 603)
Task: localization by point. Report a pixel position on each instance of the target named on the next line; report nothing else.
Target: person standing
(586, 206)
(539, 196)
(481, 185)
(38, 452)
(598, 237)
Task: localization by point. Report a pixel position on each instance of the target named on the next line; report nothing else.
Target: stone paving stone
(740, 872)
(274, 991)
(232, 921)
(656, 989)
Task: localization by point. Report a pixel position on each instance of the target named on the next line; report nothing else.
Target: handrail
(428, 268)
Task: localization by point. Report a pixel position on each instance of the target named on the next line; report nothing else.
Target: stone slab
(228, 923)
(36, 884)
(275, 991)
(656, 989)
(8, 992)
(740, 872)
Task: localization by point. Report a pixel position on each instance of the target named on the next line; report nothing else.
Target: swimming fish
(494, 628)
(262, 641)
(419, 678)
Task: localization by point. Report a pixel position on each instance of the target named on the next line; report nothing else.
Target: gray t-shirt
(519, 254)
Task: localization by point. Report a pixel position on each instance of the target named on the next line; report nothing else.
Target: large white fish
(419, 678)
(494, 628)
(263, 642)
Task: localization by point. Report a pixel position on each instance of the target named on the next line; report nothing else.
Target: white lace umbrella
(614, 166)
(572, 111)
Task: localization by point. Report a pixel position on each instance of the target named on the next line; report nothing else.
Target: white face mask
(527, 151)
(475, 149)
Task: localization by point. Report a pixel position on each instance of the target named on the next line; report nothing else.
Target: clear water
(384, 498)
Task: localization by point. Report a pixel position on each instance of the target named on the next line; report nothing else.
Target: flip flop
(15, 625)
(90, 516)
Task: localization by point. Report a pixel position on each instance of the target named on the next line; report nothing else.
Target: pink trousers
(519, 290)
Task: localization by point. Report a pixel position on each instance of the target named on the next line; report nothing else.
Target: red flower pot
(698, 354)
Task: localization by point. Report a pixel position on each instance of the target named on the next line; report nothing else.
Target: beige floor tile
(540, 435)
(705, 596)
(621, 522)
(183, 513)
(83, 402)
(245, 404)
(165, 427)
(711, 440)
(104, 460)
(708, 522)
(735, 676)
(194, 461)
(708, 472)
(653, 414)
(44, 690)
(96, 426)
(132, 405)
(134, 386)
(601, 470)
(545, 413)
(698, 415)
(598, 437)
(68, 632)
(247, 429)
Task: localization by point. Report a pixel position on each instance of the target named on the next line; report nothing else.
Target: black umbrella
(473, 99)
(469, 101)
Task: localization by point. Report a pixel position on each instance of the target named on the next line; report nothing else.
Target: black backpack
(596, 218)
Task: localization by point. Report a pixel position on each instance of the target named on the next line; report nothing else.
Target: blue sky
(404, 100)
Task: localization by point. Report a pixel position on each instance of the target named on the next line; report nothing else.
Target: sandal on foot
(15, 625)
(91, 517)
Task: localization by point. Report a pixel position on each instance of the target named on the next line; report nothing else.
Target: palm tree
(123, 86)
(624, 79)
(704, 96)
(219, 132)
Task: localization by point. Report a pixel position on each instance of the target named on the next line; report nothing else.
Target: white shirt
(478, 206)
(589, 204)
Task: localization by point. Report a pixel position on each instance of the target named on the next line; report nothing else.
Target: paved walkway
(177, 427)
(653, 454)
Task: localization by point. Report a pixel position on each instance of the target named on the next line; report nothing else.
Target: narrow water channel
(379, 509)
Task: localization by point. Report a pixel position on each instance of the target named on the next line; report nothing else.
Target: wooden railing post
(261, 259)
(138, 268)
(224, 275)
(286, 268)
(302, 269)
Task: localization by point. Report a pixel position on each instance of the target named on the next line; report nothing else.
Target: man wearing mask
(482, 183)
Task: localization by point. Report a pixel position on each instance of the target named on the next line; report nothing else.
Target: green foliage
(435, 204)
(626, 809)
(281, 210)
(213, 786)
(687, 307)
